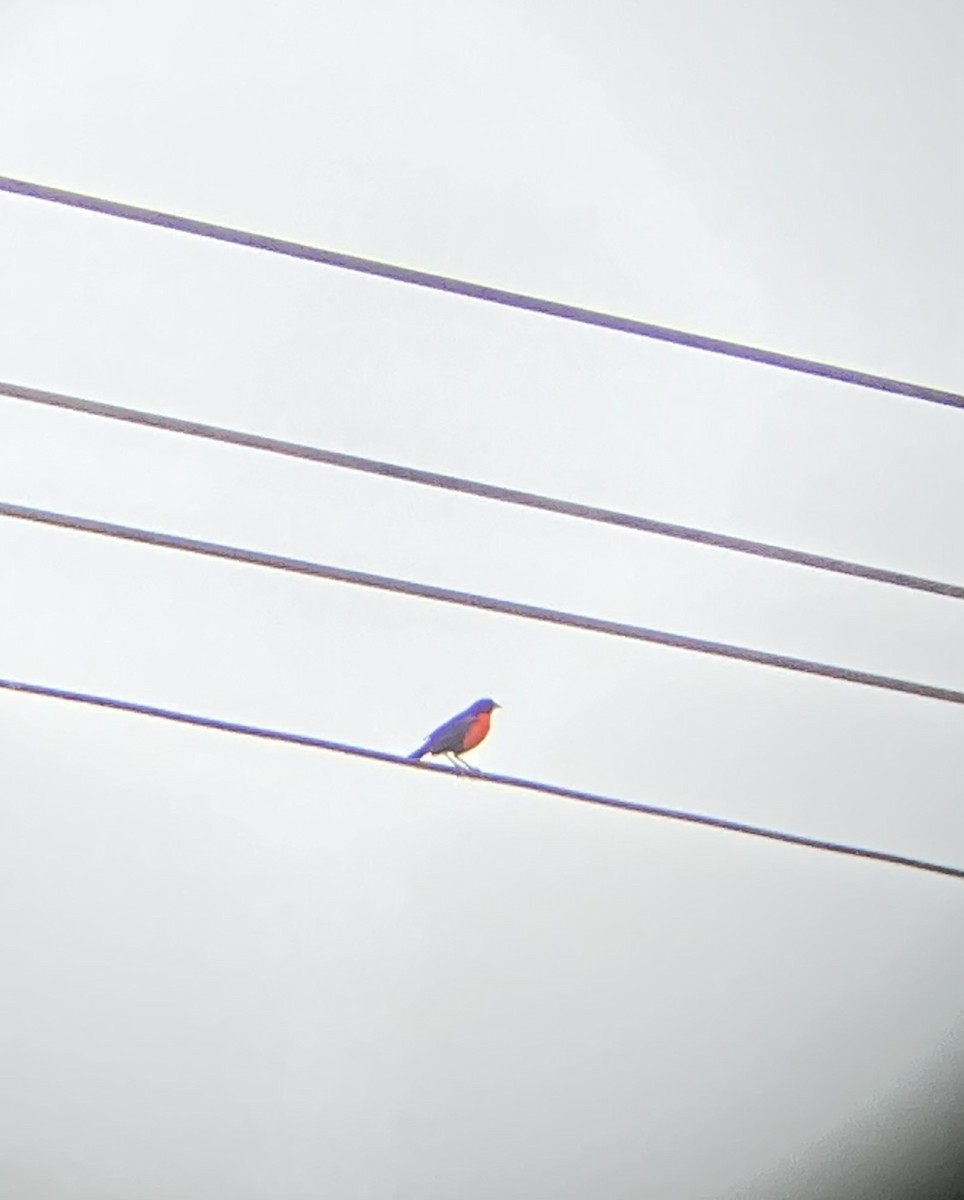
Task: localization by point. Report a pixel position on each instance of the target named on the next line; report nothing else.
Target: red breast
(476, 731)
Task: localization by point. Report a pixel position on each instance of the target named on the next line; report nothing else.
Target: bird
(460, 733)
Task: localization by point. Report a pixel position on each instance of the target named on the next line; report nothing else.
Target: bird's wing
(451, 735)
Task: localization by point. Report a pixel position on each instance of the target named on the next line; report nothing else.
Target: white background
(249, 971)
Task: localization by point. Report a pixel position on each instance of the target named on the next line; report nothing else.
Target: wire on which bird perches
(508, 781)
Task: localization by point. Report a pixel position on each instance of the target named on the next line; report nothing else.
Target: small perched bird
(462, 732)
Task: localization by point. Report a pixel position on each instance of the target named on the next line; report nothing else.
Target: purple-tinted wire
(511, 608)
(509, 781)
(485, 491)
(477, 291)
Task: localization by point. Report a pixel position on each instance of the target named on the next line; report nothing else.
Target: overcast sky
(241, 971)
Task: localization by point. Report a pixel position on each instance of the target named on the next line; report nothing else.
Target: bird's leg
(467, 766)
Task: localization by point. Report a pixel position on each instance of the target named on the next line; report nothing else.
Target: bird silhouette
(460, 733)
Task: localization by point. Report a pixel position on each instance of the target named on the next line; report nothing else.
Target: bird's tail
(420, 752)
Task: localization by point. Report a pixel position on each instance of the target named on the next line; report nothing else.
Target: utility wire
(511, 608)
(510, 781)
(476, 291)
(486, 491)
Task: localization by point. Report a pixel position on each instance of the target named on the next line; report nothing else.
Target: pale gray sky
(255, 972)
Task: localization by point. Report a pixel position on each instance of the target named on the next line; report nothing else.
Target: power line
(476, 291)
(511, 608)
(487, 491)
(510, 781)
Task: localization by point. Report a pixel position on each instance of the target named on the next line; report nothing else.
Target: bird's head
(484, 706)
